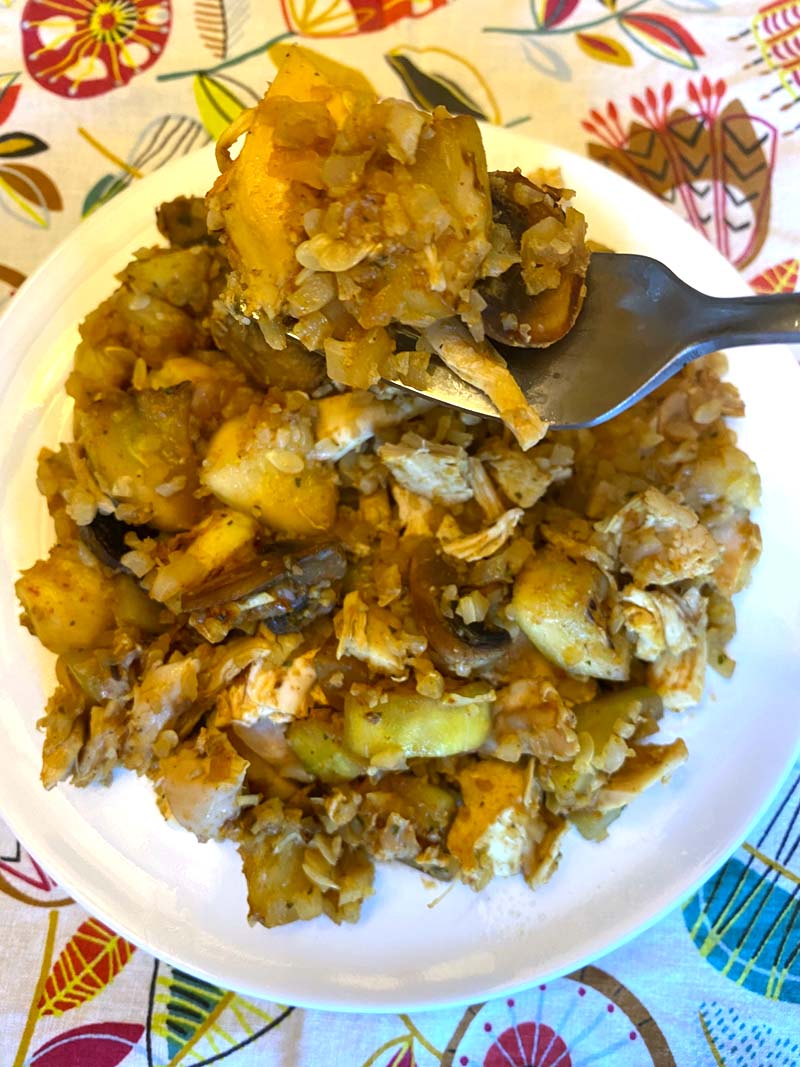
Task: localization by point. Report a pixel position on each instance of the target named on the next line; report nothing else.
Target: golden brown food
(347, 218)
(340, 625)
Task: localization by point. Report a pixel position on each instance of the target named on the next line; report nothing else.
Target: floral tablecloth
(698, 102)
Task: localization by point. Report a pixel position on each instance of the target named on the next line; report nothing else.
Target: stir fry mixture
(334, 622)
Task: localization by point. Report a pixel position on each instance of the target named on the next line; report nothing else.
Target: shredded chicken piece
(660, 541)
(679, 678)
(660, 620)
(540, 864)
(416, 515)
(375, 636)
(739, 542)
(482, 366)
(102, 750)
(480, 545)
(346, 421)
(65, 728)
(530, 718)
(164, 700)
(648, 764)
(436, 472)
(276, 693)
(575, 537)
(220, 664)
(493, 829)
(484, 491)
(288, 879)
(200, 784)
(525, 477)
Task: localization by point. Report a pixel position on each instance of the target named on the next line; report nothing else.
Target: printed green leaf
(104, 190)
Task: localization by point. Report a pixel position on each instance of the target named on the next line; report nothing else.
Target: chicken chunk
(437, 472)
(660, 541)
(346, 421)
(200, 784)
(279, 694)
(661, 620)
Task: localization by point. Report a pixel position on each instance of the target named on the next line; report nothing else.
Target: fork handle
(728, 322)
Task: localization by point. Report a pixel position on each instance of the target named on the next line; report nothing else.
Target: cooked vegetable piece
(292, 367)
(593, 825)
(256, 463)
(105, 536)
(210, 551)
(604, 716)
(535, 302)
(319, 747)
(430, 808)
(561, 604)
(288, 584)
(152, 328)
(133, 607)
(184, 277)
(456, 646)
(604, 726)
(286, 880)
(409, 725)
(139, 447)
(99, 369)
(183, 221)
(67, 600)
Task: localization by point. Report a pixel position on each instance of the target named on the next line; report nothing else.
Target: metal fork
(638, 326)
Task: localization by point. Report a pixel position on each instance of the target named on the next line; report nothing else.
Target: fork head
(633, 332)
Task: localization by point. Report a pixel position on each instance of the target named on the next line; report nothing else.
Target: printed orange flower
(345, 18)
(80, 48)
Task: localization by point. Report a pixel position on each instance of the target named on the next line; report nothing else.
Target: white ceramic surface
(186, 902)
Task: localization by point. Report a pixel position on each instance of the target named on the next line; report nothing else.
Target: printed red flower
(80, 48)
(345, 18)
(528, 1045)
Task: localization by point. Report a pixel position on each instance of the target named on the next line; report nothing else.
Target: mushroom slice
(105, 536)
(457, 646)
(286, 586)
(535, 302)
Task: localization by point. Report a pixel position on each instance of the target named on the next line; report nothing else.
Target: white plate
(186, 902)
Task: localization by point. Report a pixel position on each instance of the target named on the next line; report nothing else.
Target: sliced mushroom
(287, 585)
(459, 647)
(513, 316)
(293, 367)
(105, 537)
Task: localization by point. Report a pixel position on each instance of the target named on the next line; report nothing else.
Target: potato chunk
(561, 605)
(139, 447)
(318, 746)
(184, 277)
(408, 725)
(67, 601)
(256, 463)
